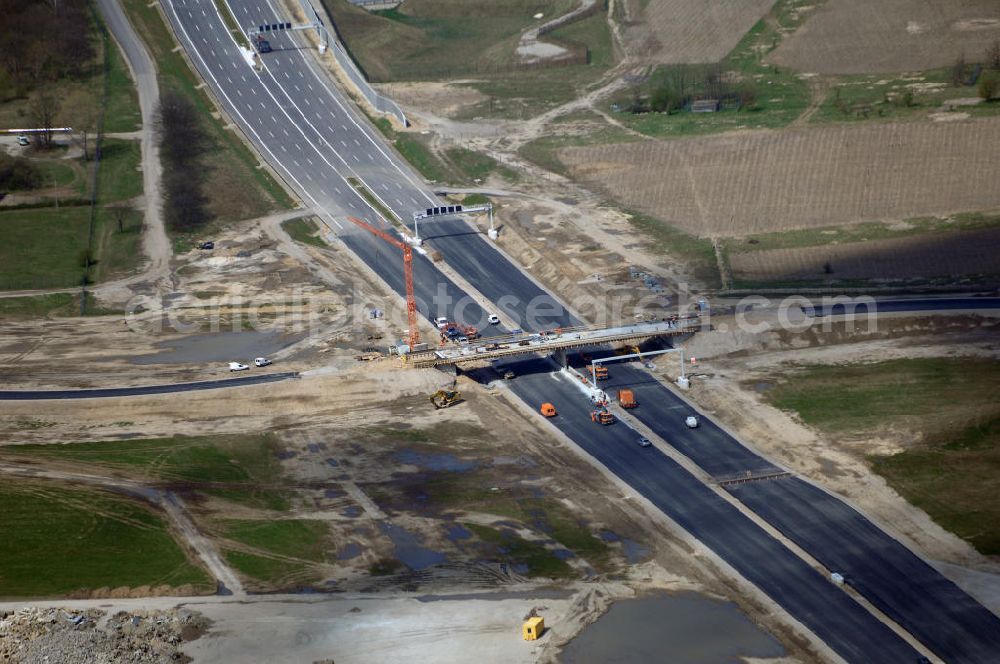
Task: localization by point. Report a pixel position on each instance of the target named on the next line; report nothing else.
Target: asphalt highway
(816, 602)
(948, 621)
(887, 573)
(307, 131)
(139, 390)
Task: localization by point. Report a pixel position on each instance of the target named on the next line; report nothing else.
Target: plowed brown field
(762, 181)
(868, 36)
(690, 31)
(923, 256)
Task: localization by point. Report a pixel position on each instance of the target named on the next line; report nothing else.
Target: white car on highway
(236, 366)
(494, 319)
(691, 422)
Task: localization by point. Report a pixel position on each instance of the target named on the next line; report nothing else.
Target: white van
(236, 366)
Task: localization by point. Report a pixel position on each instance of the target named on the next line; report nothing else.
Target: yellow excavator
(446, 398)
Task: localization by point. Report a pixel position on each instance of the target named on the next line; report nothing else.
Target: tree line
(42, 41)
(671, 89)
(183, 142)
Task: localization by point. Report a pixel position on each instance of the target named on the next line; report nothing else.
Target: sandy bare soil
(299, 305)
(936, 255)
(762, 181)
(860, 36)
(687, 31)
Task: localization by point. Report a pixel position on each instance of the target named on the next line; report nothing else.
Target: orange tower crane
(411, 303)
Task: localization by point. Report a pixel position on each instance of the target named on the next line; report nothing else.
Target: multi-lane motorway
(310, 135)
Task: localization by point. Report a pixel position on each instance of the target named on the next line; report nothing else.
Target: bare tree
(958, 72)
(121, 214)
(989, 85)
(993, 55)
(43, 113)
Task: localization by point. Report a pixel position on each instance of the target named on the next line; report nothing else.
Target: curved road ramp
(143, 390)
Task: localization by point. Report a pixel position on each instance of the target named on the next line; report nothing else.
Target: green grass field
(477, 40)
(956, 480)
(38, 306)
(40, 248)
(430, 39)
(932, 396)
(55, 541)
(304, 231)
(301, 539)
(243, 469)
(267, 570)
(948, 405)
(296, 539)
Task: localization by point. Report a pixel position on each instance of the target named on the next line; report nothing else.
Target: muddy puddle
(219, 347)
(408, 548)
(686, 627)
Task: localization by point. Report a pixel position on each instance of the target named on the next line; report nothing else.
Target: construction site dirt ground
(370, 423)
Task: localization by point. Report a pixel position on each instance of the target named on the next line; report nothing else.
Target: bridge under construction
(548, 342)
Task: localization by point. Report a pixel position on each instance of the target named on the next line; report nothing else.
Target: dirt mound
(57, 635)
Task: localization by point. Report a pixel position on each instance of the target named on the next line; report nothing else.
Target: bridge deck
(546, 342)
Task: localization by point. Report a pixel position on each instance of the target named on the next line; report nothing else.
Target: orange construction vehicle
(626, 399)
(548, 410)
(602, 417)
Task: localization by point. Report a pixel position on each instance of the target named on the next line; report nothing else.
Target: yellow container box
(533, 628)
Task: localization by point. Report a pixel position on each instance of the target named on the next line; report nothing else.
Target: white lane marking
(407, 176)
(243, 118)
(271, 133)
(285, 131)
